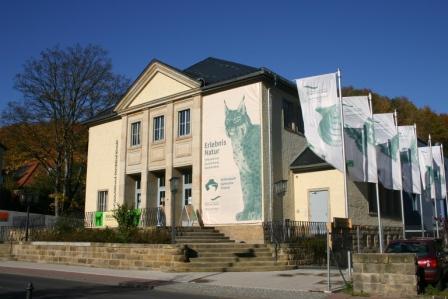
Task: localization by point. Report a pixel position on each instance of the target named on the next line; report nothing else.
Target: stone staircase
(208, 250)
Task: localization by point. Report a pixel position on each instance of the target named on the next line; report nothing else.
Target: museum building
(230, 137)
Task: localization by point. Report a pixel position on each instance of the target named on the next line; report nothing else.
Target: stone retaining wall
(163, 257)
(391, 275)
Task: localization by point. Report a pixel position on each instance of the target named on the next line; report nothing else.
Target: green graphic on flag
(330, 125)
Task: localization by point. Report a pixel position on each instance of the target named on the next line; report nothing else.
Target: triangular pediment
(157, 81)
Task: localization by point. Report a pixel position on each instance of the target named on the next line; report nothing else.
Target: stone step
(228, 249)
(233, 254)
(203, 237)
(256, 263)
(237, 269)
(238, 246)
(212, 234)
(196, 229)
(187, 241)
(230, 259)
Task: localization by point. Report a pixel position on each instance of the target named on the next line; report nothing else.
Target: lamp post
(279, 190)
(174, 184)
(27, 198)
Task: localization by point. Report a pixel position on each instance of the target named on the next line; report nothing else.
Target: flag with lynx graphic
(409, 159)
(322, 117)
(439, 172)
(360, 152)
(427, 172)
(388, 162)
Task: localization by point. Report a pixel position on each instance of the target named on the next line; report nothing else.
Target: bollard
(29, 291)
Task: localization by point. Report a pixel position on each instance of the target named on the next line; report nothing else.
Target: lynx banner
(439, 172)
(387, 143)
(427, 172)
(409, 159)
(231, 158)
(360, 152)
(321, 117)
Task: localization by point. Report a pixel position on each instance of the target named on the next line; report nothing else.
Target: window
(135, 133)
(159, 128)
(184, 122)
(102, 201)
(291, 116)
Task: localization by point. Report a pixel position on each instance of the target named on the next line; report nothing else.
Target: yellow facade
(331, 180)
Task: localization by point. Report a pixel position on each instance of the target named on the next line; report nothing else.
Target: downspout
(270, 163)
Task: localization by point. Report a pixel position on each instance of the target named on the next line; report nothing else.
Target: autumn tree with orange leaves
(60, 89)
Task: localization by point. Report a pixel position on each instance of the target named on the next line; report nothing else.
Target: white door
(186, 196)
(161, 191)
(161, 200)
(318, 205)
(138, 194)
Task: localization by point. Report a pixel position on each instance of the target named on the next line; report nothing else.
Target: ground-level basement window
(102, 201)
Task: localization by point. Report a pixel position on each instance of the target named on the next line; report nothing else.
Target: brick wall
(108, 255)
(392, 275)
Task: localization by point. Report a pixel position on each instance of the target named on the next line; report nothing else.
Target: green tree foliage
(428, 121)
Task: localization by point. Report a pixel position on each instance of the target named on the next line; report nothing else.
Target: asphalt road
(14, 286)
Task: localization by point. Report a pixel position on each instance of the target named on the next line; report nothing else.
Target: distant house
(2, 156)
(26, 174)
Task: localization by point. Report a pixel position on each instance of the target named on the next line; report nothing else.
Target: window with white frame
(135, 133)
(184, 122)
(102, 201)
(159, 128)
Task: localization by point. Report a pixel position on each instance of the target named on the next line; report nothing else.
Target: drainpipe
(270, 162)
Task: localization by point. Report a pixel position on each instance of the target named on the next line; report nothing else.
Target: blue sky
(396, 48)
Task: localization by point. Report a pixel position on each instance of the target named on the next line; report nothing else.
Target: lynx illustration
(245, 139)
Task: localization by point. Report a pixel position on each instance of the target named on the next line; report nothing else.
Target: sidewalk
(259, 284)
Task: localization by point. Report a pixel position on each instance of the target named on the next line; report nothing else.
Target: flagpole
(430, 186)
(420, 195)
(343, 143)
(444, 177)
(378, 208)
(401, 177)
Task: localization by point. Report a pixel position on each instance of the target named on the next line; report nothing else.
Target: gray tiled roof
(308, 160)
(213, 70)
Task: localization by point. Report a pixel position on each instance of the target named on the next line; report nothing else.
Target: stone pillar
(122, 163)
(144, 160)
(170, 135)
(196, 126)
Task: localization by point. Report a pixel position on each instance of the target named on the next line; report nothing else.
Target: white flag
(360, 152)
(387, 144)
(321, 117)
(409, 159)
(439, 172)
(426, 171)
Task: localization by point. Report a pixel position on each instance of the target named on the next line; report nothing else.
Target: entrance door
(138, 194)
(161, 200)
(186, 196)
(161, 191)
(318, 205)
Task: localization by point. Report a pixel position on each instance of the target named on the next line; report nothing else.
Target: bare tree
(61, 88)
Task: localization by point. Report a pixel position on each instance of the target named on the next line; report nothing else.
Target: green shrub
(106, 235)
(127, 220)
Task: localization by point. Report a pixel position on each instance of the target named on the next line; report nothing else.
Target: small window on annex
(159, 128)
(291, 116)
(184, 122)
(135, 133)
(102, 201)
